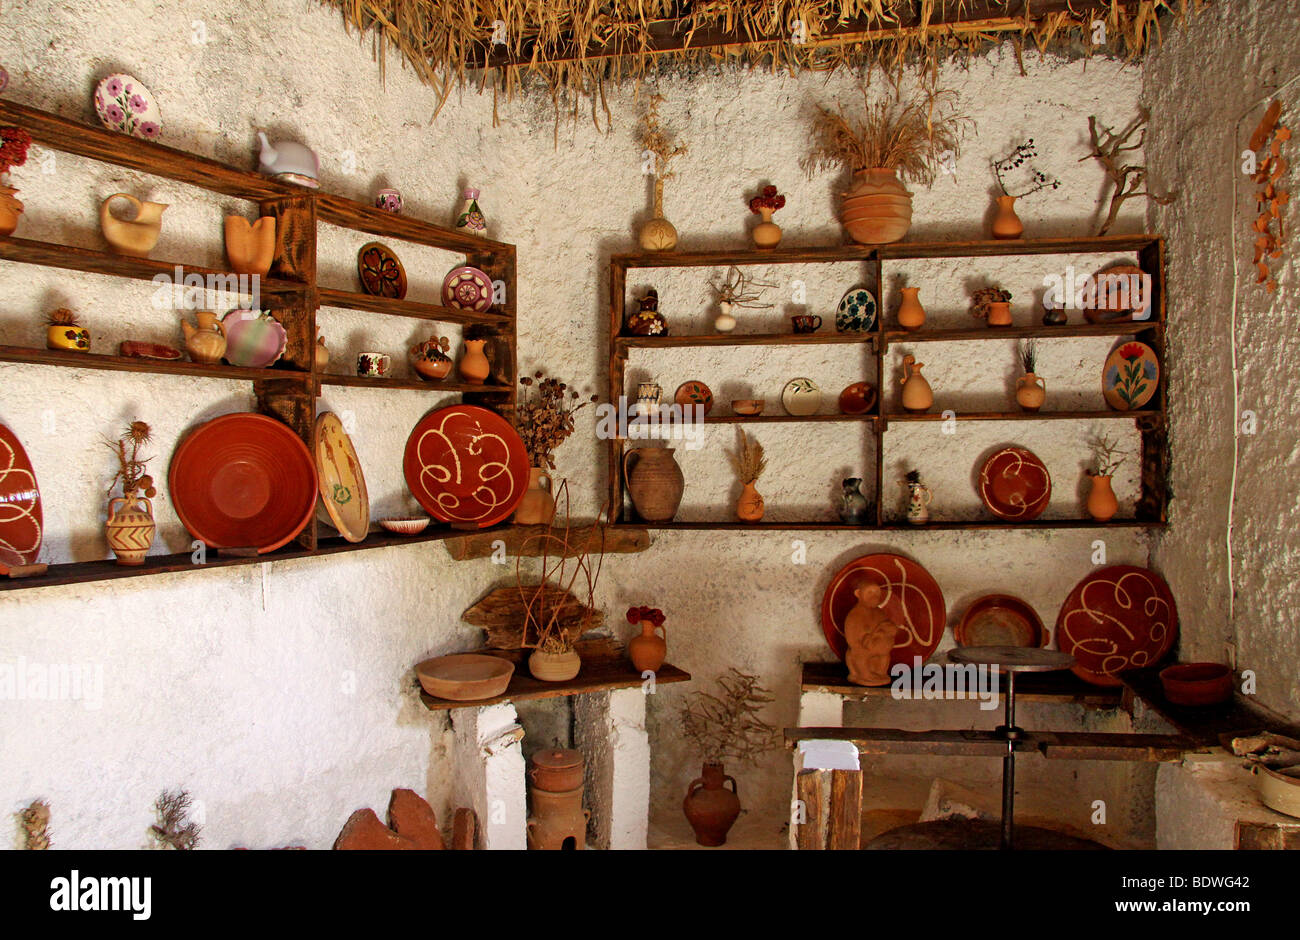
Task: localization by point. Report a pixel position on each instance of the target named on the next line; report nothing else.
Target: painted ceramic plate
(135, 349)
(694, 392)
(1130, 377)
(1119, 292)
(125, 105)
(1000, 620)
(913, 600)
(1119, 618)
(341, 483)
(467, 288)
(21, 521)
(466, 464)
(801, 397)
(858, 398)
(254, 338)
(243, 481)
(382, 274)
(856, 312)
(1015, 485)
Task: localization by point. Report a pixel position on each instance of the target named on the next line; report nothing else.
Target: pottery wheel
(1012, 658)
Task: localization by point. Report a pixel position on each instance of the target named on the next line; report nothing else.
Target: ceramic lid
(557, 759)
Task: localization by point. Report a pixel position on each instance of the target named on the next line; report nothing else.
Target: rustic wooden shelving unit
(288, 390)
(1149, 249)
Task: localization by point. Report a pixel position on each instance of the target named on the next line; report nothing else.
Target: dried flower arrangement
(748, 459)
(1270, 198)
(14, 143)
(174, 829)
(1105, 456)
(131, 467)
(657, 142)
(544, 416)
(433, 349)
(981, 299)
(910, 138)
(1028, 355)
(545, 625)
(770, 200)
(636, 614)
(727, 726)
(1108, 148)
(1033, 179)
(68, 319)
(738, 289)
(35, 820)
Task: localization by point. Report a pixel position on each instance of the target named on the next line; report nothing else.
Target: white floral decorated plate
(801, 397)
(125, 105)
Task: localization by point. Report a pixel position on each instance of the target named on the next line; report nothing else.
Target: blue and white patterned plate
(856, 312)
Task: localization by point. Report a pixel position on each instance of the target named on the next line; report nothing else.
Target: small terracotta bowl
(748, 406)
(1197, 683)
(412, 525)
(465, 677)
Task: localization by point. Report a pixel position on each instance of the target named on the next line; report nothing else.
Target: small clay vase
(918, 502)
(649, 650)
(558, 820)
(766, 234)
(1031, 391)
(205, 343)
(911, 315)
(725, 321)
(710, 807)
(1006, 224)
(130, 528)
(654, 482)
(538, 505)
(136, 237)
(250, 246)
(1102, 504)
(432, 369)
(474, 365)
(750, 506)
(11, 209)
(917, 395)
(999, 313)
(878, 209)
(554, 667)
(323, 355)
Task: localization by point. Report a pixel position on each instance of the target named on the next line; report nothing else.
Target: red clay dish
(466, 464)
(1119, 618)
(913, 600)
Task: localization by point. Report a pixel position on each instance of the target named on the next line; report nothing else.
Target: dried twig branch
(1128, 179)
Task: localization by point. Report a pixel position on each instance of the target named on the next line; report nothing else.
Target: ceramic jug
(286, 156)
(1031, 391)
(11, 209)
(853, 505)
(538, 505)
(917, 395)
(918, 503)
(135, 237)
(649, 650)
(1006, 224)
(250, 246)
(654, 482)
(911, 315)
(205, 343)
(130, 528)
(710, 807)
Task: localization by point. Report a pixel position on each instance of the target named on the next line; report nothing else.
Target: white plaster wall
(1195, 146)
(283, 702)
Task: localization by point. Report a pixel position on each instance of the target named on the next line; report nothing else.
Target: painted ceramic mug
(373, 364)
(806, 323)
(390, 200)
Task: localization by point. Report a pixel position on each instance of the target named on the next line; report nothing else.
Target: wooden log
(810, 789)
(846, 810)
(527, 541)
(464, 829)
(1255, 743)
(501, 614)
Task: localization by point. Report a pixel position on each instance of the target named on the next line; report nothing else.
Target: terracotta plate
(912, 599)
(21, 521)
(340, 481)
(1130, 377)
(381, 273)
(858, 398)
(466, 464)
(1014, 484)
(1000, 620)
(1119, 292)
(465, 677)
(467, 288)
(1121, 617)
(694, 392)
(243, 481)
(136, 349)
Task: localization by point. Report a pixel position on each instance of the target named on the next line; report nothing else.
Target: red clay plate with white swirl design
(913, 600)
(467, 465)
(21, 522)
(1015, 485)
(1121, 617)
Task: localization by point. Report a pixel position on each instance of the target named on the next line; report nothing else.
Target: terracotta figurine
(870, 635)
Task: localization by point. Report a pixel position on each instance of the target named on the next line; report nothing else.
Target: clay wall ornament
(1270, 197)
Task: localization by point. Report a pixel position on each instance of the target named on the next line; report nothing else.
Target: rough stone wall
(281, 695)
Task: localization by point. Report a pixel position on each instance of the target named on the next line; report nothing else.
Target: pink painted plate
(467, 288)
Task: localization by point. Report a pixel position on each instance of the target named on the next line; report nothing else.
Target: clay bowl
(1278, 791)
(1197, 683)
(406, 525)
(465, 677)
(748, 406)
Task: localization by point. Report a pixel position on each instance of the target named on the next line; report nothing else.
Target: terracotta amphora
(654, 482)
(130, 528)
(649, 650)
(250, 246)
(710, 807)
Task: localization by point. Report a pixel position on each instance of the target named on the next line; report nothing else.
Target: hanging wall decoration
(1270, 197)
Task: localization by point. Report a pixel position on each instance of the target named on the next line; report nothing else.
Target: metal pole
(1009, 764)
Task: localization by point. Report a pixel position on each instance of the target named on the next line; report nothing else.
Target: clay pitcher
(1031, 391)
(130, 528)
(654, 482)
(135, 237)
(205, 343)
(750, 506)
(649, 650)
(250, 246)
(710, 807)
(1102, 504)
(911, 315)
(474, 365)
(917, 395)
(1006, 224)
(538, 505)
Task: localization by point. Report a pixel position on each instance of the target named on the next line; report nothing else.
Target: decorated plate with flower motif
(856, 312)
(1014, 484)
(125, 105)
(382, 275)
(1119, 618)
(465, 464)
(913, 600)
(21, 522)
(467, 288)
(339, 479)
(1130, 376)
(694, 392)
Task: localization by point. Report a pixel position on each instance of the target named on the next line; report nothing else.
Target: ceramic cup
(806, 323)
(373, 364)
(390, 200)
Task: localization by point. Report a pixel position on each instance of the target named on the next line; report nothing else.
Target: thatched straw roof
(576, 46)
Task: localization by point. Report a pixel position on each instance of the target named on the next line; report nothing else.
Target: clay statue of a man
(870, 635)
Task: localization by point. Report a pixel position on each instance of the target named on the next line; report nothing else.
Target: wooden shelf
(348, 213)
(789, 419)
(1207, 725)
(594, 677)
(905, 418)
(82, 572)
(744, 339)
(1064, 331)
(412, 384)
(1060, 687)
(52, 255)
(1058, 745)
(351, 300)
(81, 360)
(972, 525)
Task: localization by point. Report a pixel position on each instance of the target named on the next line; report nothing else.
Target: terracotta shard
(411, 817)
(363, 831)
